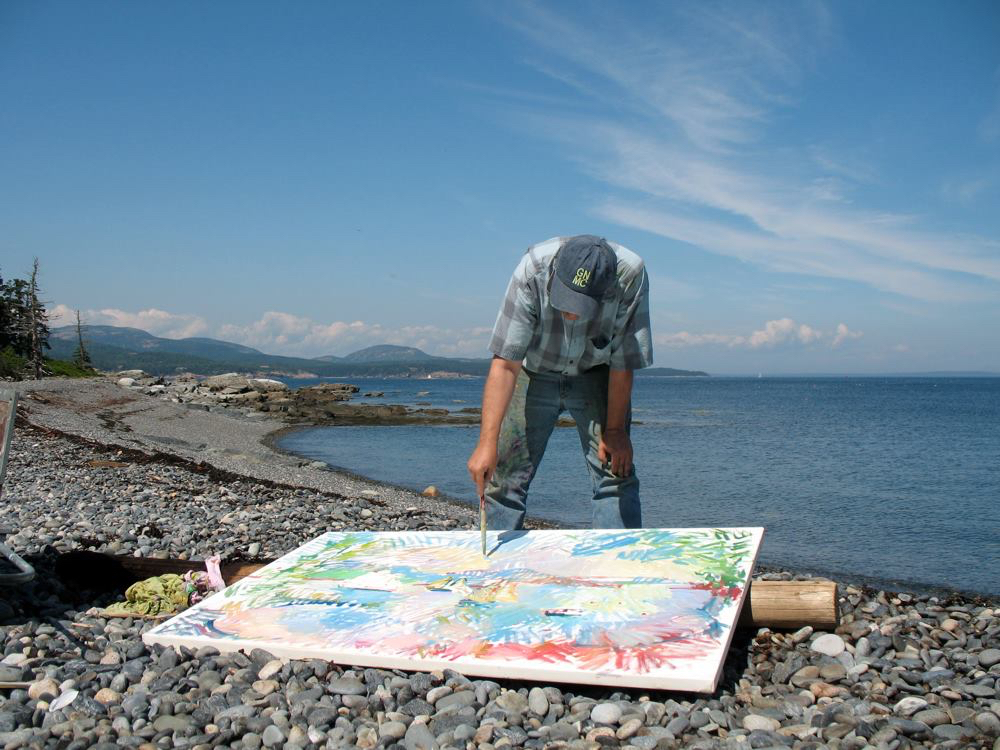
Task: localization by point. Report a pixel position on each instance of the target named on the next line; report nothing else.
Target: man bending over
(573, 327)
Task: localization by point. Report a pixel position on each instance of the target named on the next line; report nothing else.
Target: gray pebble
(419, 737)
(347, 686)
(272, 736)
(605, 713)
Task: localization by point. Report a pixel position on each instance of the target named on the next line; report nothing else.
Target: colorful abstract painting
(651, 608)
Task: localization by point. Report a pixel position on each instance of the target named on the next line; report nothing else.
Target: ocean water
(895, 481)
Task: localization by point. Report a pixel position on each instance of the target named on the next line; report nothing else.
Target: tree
(37, 324)
(13, 334)
(81, 356)
(6, 323)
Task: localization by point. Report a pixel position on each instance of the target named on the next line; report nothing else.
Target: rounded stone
(756, 722)
(988, 723)
(172, 723)
(989, 657)
(628, 729)
(270, 669)
(513, 701)
(392, 730)
(272, 736)
(48, 687)
(833, 672)
(829, 644)
(909, 705)
(538, 702)
(932, 716)
(605, 713)
(107, 696)
(347, 686)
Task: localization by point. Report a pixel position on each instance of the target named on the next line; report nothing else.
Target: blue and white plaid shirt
(528, 328)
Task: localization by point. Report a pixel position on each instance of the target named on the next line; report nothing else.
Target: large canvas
(650, 608)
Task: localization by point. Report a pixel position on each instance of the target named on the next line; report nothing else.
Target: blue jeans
(537, 402)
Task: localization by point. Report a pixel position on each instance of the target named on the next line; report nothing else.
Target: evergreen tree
(15, 295)
(81, 356)
(6, 323)
(37, 326)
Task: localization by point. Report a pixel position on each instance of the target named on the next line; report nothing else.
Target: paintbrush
(482, 522)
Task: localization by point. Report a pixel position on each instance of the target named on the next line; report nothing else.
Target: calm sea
(891, 480)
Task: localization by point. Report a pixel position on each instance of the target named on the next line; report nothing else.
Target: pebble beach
(100, 468)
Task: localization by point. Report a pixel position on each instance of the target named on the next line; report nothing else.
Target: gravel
(901, 670)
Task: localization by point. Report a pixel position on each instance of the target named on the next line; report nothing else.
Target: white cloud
(775, 333)
(157, 322)
(901, 348)
(62, 315)
(285, 333)
(843, 333)
(782, 331)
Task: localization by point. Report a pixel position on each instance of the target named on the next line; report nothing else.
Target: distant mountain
(117, 348)
(669, 372)
(388, 353)
(137, 340)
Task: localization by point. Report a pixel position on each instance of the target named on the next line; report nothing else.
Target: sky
(814, 187)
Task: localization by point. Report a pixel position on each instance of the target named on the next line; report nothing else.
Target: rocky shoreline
(323, 404)
(108, 468)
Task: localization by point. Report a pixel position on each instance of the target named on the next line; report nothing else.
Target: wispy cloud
(781, 332)
(689, 149)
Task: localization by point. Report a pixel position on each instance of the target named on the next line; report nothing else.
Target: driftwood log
(771, 604)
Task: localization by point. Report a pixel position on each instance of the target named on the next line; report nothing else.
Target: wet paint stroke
(630, 602)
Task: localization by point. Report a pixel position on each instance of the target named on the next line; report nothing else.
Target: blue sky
(814, 187)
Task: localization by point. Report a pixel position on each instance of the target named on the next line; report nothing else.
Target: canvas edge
(542, 676)
(731, 630)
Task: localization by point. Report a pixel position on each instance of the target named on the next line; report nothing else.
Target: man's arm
(497, 391)
(616, 446)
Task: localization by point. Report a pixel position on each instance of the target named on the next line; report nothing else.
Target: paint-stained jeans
(538, 400)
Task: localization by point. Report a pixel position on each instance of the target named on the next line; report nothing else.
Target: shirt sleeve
(517, 320)
(632, 343)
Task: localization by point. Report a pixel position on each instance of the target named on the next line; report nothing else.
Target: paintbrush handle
(482, 522)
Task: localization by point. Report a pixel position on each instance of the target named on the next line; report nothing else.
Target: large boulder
(134, 374)
(326, 392)
(266, 385)
(229, 380)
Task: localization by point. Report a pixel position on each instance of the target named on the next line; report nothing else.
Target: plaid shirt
(528, 328)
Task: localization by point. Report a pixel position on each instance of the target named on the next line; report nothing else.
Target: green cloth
(159, 595)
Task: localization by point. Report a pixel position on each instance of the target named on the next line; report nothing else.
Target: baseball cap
(585, 268)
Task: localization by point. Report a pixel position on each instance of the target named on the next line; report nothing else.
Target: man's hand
(497, 391)
(482, 464)
(615, 447)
